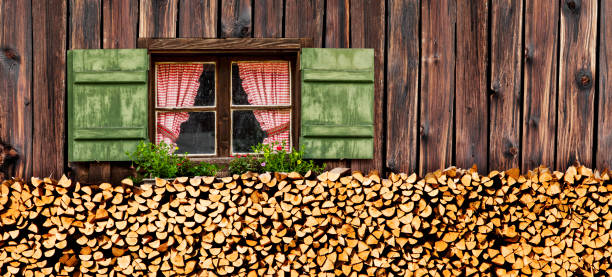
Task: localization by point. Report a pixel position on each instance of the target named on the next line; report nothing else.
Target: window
(216, 105)
(214, 98)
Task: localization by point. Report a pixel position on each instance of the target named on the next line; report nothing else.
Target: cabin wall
(496, 83)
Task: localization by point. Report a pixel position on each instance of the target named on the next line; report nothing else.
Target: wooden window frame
(223, 52)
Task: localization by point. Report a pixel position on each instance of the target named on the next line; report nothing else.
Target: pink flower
(263, 164)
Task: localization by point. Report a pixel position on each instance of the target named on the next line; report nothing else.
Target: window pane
(261, 83)
(185, 84)
(250, 128)
(191, 132)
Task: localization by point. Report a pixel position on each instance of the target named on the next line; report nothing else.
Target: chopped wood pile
(449, 223)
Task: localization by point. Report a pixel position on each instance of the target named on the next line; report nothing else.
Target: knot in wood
(10, 54)
(584, 79)
(513, 151)
(572, 6)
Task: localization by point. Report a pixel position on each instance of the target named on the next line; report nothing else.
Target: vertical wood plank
(337, 35)
(85, 20)
(236, 18)
(540, 83)
(471, 85)
(577, 40)
(268, 20)
(304, 19)
(198, 18)
(120, 27)
(437, 84)
(402, 84)
(337, 24)
(120, 23)
(604, 122)
(158, 18)
(49, 55)
(505, 105)
(16, 85)
(367, 22)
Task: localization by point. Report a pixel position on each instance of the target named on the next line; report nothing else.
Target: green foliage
(158, 160)
(242, 164)
(274, 158)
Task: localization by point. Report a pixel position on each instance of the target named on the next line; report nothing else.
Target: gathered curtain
(177, 86)
(267, 83)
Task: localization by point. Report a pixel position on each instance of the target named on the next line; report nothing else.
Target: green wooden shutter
(337, 98)
(107, 103)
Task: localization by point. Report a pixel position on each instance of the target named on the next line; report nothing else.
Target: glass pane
(261, 83)
(185, 84)
(191, 132)
(250, 128)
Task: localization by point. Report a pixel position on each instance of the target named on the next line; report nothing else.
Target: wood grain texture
(540, 83)
(228, 44)
(337, 35)
(120, 23)
(85, 25)
(158, 18)
(604, 121)
(471, 84)
(304, 19)
(337, 24)
(16, 85)
(577, 40)
(437, 96)
(236, 17)
(268, 20)
(48, 141)
(402, 85)
(85, 22)
(198, 18)
(368, 31)
(505, 105)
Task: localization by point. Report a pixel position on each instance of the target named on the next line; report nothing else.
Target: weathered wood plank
(604, 128)
(228, 44)
(236, 18)
(158, 18)
(540, 83)
(16, 85)
(402, 84)
(198, 18)
(120, 23)
(437, 84)
(85, 22)
(268, 20)
(471, 84)
(337, 20)
(505, 105)
(304, 19)
(368, 31)
(49, 89)
(120, 27)
(577, 40)
(337, 35)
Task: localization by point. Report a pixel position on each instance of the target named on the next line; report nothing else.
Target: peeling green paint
(107, 103)
(337, 103)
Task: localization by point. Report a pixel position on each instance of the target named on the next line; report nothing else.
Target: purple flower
(263, 164)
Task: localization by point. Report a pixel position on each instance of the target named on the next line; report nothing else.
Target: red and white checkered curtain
(267, 83)
(177, 86)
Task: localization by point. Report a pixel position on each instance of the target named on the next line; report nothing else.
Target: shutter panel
(107, 103)
(337, 98)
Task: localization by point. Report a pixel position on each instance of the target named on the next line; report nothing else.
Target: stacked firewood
(450, 223)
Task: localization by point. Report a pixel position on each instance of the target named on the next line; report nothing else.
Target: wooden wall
(496, 83)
